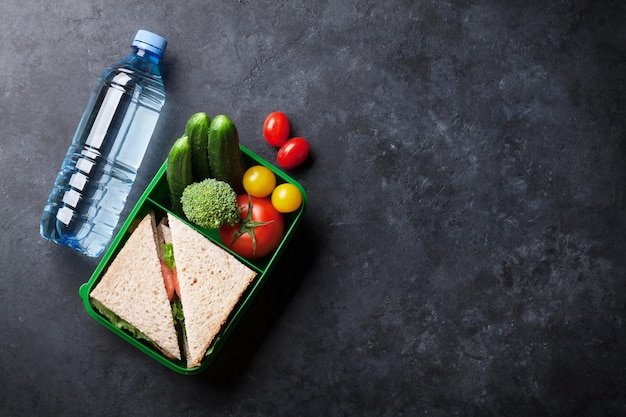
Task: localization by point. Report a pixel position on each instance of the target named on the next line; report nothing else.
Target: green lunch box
(156, 198)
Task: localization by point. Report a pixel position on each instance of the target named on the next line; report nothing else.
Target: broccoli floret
(210, 203)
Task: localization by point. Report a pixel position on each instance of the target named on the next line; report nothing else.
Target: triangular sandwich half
(211, 282)
(132, 288)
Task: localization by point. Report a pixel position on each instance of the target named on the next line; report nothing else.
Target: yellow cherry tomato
(259, 181)
(286, 198)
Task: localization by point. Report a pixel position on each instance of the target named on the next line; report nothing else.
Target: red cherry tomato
(276, 128)
(267, 236)
(292, 153)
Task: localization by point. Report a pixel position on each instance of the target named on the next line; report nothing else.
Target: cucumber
(178, 171)
(197, 130)
(225, 158)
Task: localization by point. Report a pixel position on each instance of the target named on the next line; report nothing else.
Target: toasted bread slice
(211, 283)
(133, 288)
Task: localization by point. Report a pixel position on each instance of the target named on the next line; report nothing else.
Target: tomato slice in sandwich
(169, 278)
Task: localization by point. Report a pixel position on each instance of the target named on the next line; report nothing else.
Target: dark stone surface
(464, 249)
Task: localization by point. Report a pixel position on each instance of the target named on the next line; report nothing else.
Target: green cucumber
(197, 130)
(178, 172)
(225, 157)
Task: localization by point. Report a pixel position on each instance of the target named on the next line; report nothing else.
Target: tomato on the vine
(286, 198)
(292, 153)
(276, 128)
(259, 181)
(260, 231)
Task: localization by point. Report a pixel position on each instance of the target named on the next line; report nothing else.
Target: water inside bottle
(101, 165)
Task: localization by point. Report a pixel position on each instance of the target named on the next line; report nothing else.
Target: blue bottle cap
(151, 42)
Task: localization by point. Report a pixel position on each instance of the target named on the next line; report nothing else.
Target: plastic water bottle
(101, 164)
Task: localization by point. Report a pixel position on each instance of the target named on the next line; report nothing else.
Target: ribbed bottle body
(102, 161)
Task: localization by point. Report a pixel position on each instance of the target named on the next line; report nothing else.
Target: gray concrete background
(463, 252)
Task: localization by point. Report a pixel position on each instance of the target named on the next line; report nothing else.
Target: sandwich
(132, 295)
(172, 287)
(211, 282)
